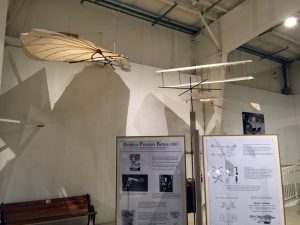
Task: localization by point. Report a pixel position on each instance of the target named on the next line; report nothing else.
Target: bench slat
(24, 208)
(52, 218)
(40, 202)
(43, 212)
(22, 213)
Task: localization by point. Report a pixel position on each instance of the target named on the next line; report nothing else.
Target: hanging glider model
(67, 47)
(207, 67)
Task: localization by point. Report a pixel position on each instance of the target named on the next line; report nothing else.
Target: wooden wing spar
(207, 66)
(66, 47)
(187, 85)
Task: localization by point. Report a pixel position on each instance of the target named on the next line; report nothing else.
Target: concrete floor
(292, 215)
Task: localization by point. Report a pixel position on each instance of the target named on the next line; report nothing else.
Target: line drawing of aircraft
(265, 219)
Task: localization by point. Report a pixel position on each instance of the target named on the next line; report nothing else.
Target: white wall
(84, 108)
(279, 115)
(294, 72)
(268, 75)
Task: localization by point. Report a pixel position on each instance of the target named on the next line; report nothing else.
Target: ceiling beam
(274, 53)
(212, 36)
(142, 14)
(203, 2)
(285, 37)
(212, 6)
(264, 54)
(188, 9)
(164, 14)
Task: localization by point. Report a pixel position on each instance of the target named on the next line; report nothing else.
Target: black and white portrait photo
(127, 217)
(166, 183)
(132, 182)
(135, 164)
(253, 123)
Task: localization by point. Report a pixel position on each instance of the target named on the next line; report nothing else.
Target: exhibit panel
(150, 180)
(243, 180)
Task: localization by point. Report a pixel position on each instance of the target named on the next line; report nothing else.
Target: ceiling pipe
(286, 90)
(147, 16)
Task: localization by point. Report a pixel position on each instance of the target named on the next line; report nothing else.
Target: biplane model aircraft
(201, 67)
(67, 47)
(205, 84)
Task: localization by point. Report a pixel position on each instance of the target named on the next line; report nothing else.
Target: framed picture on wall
(253, 123)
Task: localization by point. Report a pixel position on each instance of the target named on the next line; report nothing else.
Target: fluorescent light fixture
(290, 22)
(204, 66)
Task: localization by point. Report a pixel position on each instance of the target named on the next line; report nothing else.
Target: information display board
(150, 181)
(243, 180)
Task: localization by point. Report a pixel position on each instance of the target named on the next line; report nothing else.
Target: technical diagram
(217, 175)
(225, 150)
(228, 218)
(228, 206)
(265, 219)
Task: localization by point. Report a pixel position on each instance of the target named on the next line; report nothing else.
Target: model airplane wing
(188, 85)
(66, 47)
(207, 66)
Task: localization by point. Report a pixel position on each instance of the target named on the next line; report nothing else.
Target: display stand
(150, 181)
(243, 180)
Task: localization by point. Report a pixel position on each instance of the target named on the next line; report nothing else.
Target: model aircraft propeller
(67, 47)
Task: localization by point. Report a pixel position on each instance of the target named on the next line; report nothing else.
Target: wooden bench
(22, 213)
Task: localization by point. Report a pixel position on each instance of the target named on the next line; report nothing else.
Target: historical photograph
(127, 217)
(132, 182)
(135, 164)
(253, 123)
(166, 183)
